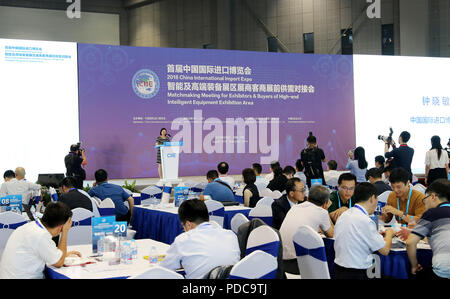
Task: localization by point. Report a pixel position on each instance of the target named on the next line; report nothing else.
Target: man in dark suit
(295, 193)
(72, 197)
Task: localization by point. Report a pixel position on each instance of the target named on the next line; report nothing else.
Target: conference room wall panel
(54, 25)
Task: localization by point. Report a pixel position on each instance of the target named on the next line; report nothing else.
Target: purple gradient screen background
(107, 105)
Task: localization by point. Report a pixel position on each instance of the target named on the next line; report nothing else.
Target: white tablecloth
(101, 270)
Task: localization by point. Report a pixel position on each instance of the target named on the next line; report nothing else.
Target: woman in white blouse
(436, 161)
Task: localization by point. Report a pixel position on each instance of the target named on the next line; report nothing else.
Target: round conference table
(162, 223)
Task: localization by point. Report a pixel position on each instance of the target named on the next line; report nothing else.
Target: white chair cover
(81, 230)
(149, 193)
(9, 221)
(276, 194)
(268, 201)
(237, 220)
(382, 200)
(189, 183)
(383, 197)
(107, 207)
(157, 272)
(261, 185)
(266, 193)
(262, 212)
(199, 187)
(216, 211)
(94, 200)
(263, 238)
(257, 265)
(332, 183)
(419, 187)
(310, 251)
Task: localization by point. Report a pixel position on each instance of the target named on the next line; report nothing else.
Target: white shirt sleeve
(373, 237)
(48, 251)
(172, 261)
(33, 186)
(324, 220)
(427, 158)
(3, 190)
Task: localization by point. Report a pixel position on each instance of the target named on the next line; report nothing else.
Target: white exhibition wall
(405, 93)
(39, 100)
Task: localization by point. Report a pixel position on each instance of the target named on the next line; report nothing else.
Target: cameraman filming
(74, 162)
(402, 155)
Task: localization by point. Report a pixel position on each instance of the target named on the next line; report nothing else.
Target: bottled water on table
(133, 249)
(153, 255)
(101, 245)
(125, 253)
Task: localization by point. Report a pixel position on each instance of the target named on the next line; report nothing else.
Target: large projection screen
(405, 93)
(236, 106)
(39, 100)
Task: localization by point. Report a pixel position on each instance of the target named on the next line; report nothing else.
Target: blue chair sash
(144, 196)
(318, 253)
(196, 190)
(167, 189)
(270, 275)
(107, 211)
(271, 248)
(147, 196)
(84, 222)
(55, 197)
(220, 212)
(267, 220)
(12, 225)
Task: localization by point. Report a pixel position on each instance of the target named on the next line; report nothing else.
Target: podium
(170, 157)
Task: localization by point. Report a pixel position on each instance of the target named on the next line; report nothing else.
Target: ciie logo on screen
(145, 84)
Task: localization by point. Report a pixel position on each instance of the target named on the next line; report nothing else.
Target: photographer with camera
(311, 160)
(74, 162)
(403, 155)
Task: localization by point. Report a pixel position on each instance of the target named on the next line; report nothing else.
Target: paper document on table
(104, 267)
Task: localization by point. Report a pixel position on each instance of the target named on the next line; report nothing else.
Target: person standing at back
(436, 162)
(74, 162)
(402, 155)
(312, 157)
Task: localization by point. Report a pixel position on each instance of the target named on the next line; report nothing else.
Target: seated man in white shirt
(314, 213)
(203, 246)
(332, 171)
(30, 247)
(9, 175)
(223, 168)
(19, 185)
(357, 237)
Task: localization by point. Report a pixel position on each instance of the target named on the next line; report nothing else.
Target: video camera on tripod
(388, 139)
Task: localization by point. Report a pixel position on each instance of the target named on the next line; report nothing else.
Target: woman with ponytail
(311, 160)
(436, 161)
